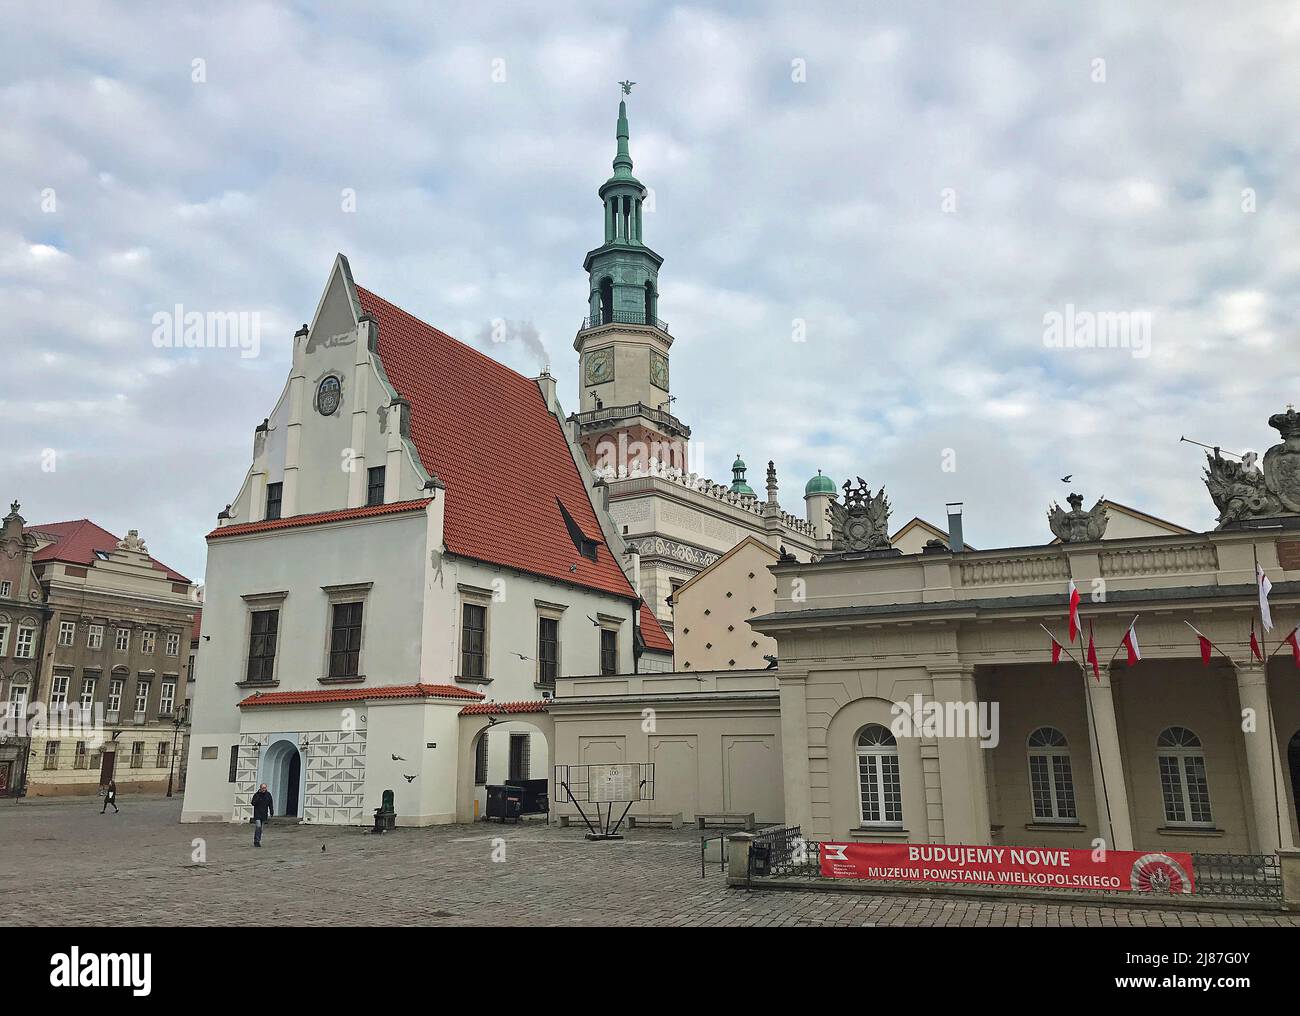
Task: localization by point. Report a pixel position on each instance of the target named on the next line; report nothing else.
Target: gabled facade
(414, 517)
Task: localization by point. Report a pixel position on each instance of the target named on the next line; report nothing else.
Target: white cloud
(776, 200)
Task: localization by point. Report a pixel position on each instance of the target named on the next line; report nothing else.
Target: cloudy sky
(922, 185)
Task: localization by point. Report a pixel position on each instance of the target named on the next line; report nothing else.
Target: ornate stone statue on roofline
(1077, 525)
(1242, 492)
(861, 523)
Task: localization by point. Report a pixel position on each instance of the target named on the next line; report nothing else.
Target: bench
(673, 821)
(726, 820)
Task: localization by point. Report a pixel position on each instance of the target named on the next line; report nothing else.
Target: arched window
(1051, 780)
(606, 300)
(1183, 783)
(879, 791)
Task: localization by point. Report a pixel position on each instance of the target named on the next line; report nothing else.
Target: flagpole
(1281, 644)
(1092, 718)
(1268, 697)
(1121, 641)
(1199, 634)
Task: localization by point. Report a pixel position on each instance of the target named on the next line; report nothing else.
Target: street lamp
(177, 723)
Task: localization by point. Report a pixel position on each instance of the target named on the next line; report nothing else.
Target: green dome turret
(738, 484)
(819, 485)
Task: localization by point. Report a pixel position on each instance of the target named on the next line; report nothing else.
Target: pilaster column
(1263, 762)
(794, 751)
(962, 779)
(1108, 778)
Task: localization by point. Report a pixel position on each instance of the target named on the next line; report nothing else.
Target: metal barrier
(1238, 876)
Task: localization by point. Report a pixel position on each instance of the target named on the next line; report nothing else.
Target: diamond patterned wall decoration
(335, 761)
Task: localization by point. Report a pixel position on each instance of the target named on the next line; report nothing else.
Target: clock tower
(625, 420)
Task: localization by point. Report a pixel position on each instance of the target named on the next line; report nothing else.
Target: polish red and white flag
(1131, 644)
(1255, 651)
(1056, 651)
(1265, 587)
(1206, 645)
(1092, 654)
(1073, 593)
(1295, 645)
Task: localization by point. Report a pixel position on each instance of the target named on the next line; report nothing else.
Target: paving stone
(66, 864)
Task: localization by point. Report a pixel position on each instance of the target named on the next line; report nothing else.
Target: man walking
(110, 797)
(262, 808)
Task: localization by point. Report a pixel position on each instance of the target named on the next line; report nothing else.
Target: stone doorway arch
(475, 722)
(284, 774)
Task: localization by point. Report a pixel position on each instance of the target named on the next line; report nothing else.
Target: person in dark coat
(263, 808)
(110, 797)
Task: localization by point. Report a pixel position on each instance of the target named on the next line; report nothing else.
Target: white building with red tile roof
(380, 540)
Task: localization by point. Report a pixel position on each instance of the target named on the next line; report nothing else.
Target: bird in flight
(398, 758)
(408, 779)
(1067, 478)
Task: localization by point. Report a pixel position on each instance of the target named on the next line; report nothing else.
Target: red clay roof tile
(341, 515)
(357, 694)
(486, 432)
(652, 632)
(77, 541)
(496, 708)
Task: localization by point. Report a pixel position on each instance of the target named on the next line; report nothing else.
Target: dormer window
(584, 545)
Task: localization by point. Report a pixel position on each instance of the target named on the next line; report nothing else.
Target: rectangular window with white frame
(51, 754)
(167, 698)
(59, 691)
(95, 637)
(4, 639)
(173, 644)
(25, 644)
(113, 703)
(18, 701)
(67, 633)
(122, 639)
(5, 589)
(87, 693)
(148, 639)
(141, 700)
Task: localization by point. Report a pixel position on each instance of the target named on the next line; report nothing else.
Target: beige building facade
(1167, 753)
(98, 660)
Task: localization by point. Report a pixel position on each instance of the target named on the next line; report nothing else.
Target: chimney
(547, 384)
(955, 542)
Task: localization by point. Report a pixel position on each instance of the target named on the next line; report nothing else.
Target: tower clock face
(600, 366)
(658, 370)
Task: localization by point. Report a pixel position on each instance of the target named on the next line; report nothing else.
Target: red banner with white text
(1011, 867)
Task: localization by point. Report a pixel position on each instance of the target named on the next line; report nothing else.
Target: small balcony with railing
(624, 317)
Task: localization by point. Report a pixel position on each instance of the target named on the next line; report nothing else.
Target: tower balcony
(624, 317)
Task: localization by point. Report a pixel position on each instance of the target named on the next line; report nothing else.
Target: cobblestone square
(66, 864)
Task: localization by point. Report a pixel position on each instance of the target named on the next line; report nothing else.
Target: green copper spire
(624, 271)
(738, 483)
(623, 160)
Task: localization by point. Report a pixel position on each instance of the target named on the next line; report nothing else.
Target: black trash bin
(504, 802)
(760, 860)
(535, 796)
